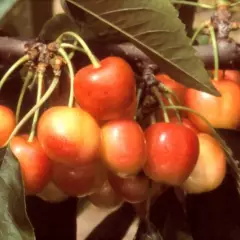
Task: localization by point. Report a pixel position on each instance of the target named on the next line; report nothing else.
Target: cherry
(132, 189)
(107, 91)
(105, 197)
(8, 122)
(221, 112)
(123, 146)
(35, 165)
(79, 180)
(210, 169)
(69, 135)
(172, 152)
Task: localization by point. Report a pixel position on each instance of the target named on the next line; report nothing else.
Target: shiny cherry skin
(221, 112)
(69, 135)
(210, 170)
(123, 147)
(105, 92)
(35, 166)
(172, 152)
(8, 123)
(78, 181)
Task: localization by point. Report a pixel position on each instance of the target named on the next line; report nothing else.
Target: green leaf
(152, 26)
(56, 26)
(14, 222)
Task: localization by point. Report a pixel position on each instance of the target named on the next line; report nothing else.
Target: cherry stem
(153, 119)
(63, 53)
(197, 32)
(71, 46)
(36, 114)
(169, 98)
(168, 92)
(157, 94)
(89, 53)
(194, 4)
(27, 79)
(226, 149)
(215, 51)
(31, 85)
(139, 95)
(19, 62)
(44, 98)
(222, 3)
(71, 54)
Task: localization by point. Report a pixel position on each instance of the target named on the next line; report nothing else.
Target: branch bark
(229, 52)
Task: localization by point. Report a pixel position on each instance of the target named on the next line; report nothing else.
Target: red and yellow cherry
(186, 122)
(231, 75)
(52, 194)
(69, 135)
(221, 112)
(8, 122)
(133, 189)
(172, 152)
(105, 197)
(106, 91)
(79, 180)
(123, 147)
(35, 166)
(127, 114)
(210, 170)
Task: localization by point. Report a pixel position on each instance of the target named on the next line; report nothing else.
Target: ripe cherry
(79, 180)
(123, 146)
(172, 152)
(132, 189)
(221, 112)
(8, 122)
(210, 169)
(35, 165)
(69, 135)
(105, 92)
(105, 197)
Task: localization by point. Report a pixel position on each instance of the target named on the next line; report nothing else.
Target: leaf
(14, 222)
(153, 27)
(56, 26)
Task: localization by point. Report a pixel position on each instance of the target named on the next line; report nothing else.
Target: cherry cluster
(98, 149)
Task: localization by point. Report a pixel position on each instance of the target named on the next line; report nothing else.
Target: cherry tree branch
(229, 52)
